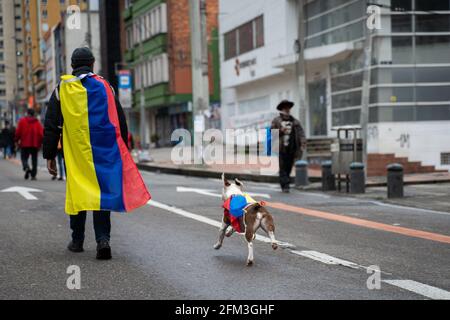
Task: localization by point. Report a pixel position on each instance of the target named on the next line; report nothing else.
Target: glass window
(401, 5)
(401, 23)
(343, 118)
(346, 82)
(354, 62)
(432, 49)
(246, 38)
(392, 95)
(230, 45)
(392, 75)
(441, 93)
(259, 30)
(432, 22)
(432, 5)
(432, 113)
(402, 50)
(344, 100)
(436, 74)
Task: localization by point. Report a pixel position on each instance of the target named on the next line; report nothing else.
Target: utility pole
(199, 60)
(365, 100)
(89, 27)
(143, 125)
(301, 69)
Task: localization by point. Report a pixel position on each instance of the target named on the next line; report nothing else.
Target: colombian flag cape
(101, 174)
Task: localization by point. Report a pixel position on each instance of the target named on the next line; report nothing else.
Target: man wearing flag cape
(101, 174)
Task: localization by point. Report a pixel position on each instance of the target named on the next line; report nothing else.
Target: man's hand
(51, 167)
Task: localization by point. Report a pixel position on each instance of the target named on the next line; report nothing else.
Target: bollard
(357, 178)
(395, 180)
(301, 173)
(328, 180)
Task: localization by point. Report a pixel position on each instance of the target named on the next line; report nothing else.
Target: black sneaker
(27, 174)
(103, 250)
(75, 246)
(286, 190)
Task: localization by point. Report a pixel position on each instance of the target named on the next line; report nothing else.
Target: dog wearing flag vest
(242, 214)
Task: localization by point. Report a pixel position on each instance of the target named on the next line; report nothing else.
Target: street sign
(23, 191)
(125, 91)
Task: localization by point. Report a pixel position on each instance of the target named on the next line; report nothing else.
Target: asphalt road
(165, 249)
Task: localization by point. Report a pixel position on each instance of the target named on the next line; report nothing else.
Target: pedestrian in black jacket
(292, 142)
(82, 64)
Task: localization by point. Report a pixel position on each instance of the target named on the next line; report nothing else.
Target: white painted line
(209, 221)
(206, 192)
(420, 288)
(314, 194)
(209, 192)
(408, 208)
(327, 259)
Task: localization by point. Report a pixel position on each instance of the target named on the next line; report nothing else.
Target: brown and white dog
(256, 216)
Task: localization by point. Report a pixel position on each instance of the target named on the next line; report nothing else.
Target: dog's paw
(217, 246)
(274, 246)
(249, 263)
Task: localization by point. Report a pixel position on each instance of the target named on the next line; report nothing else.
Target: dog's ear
(226, 183)
(238, 182)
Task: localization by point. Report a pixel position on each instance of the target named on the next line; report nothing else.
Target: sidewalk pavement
(163, 163)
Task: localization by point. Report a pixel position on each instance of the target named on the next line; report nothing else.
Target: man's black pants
(25, 154)
(102, 225)
(286, 161)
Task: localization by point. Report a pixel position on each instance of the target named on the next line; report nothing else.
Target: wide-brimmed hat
(285, 103)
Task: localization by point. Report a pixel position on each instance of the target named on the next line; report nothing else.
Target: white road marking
(420, 288)
(413, 286)
(209, 192)
(325, 258)
(206, 192)
(23, 191)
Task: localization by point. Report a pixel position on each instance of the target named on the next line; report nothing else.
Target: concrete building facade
(162, 27)
(409, 111)
(12, 86)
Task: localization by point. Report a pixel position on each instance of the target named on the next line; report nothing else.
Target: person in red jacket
(29, 135)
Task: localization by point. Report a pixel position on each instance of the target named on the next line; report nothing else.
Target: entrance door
(318, 108)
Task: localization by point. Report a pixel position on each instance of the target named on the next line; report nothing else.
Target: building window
(445, 158)
(432, 23)
(244, 38)
(432, 49)
(432, 5)
(401, 23)
(341, 118)
(401, 5)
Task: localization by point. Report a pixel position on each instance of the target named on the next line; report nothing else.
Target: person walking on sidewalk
(292, 142)
(61, 165)
(7, 140)
(29, 136)
(101, 174)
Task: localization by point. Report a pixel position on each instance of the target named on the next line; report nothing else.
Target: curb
(214, 174)
(255, 178)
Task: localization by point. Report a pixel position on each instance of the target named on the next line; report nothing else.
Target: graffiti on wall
(404, 140)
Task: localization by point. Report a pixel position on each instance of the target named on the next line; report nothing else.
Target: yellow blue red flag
(101, 174)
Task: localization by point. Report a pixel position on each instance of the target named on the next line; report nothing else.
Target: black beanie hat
(82, 57)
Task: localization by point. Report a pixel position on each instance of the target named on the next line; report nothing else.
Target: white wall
(234, 13)
(260, 80)
(76, 38)
(419, 141)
